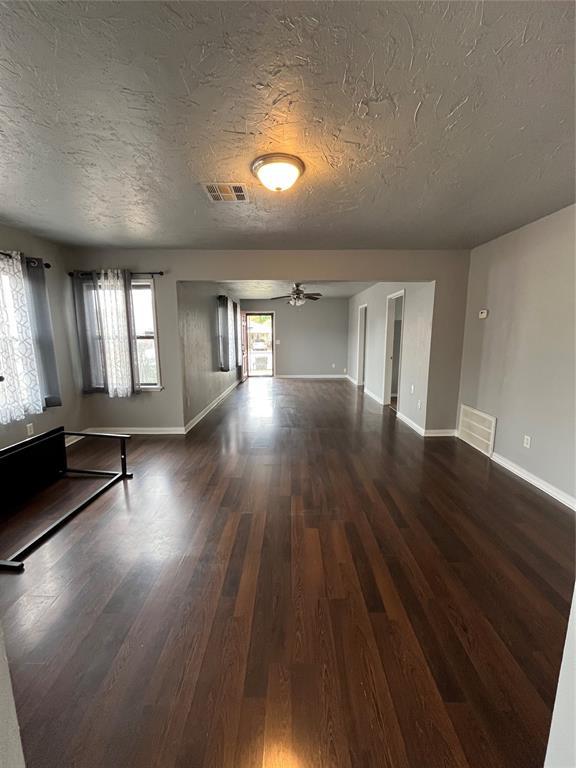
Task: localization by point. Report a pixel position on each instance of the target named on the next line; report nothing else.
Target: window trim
(149, 283)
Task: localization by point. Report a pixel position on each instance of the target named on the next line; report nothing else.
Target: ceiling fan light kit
(297, 296)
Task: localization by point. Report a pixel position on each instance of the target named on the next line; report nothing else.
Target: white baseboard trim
(138, 430)
(311, 376)
(416, 427)
(551, 490)
(353, 381)
(71, 439)
(166, 430)
(373, 396)
(440, 433)
(205, 411)
(425, 432)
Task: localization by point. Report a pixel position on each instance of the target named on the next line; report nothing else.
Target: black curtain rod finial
(10, 255)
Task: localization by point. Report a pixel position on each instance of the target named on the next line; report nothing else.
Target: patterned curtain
(20, 388)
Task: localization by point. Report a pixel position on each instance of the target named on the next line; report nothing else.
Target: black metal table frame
(15, 562)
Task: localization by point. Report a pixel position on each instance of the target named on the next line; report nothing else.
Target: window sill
(152, 388)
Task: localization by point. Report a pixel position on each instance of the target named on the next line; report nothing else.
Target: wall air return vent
(226, 192)
(477, 429)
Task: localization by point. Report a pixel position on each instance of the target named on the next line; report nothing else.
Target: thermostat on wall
(483, 314)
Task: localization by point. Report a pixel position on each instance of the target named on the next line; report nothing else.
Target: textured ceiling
(266, 289)
(429, 124)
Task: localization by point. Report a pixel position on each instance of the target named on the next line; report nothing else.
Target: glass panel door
(260, 344)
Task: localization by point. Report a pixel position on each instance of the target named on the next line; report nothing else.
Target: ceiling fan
(298, 296)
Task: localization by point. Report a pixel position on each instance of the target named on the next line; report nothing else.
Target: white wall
(518, 364)
(10, 745)
(58, 287)
(561, 752)
(416, 342)
(312, 338)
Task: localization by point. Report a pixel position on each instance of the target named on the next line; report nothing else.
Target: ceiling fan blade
(313, 296)
(280, 297)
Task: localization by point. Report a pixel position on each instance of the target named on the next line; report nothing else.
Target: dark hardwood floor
(301, 582)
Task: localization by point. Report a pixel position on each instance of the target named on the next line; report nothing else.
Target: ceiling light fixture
(278, 172)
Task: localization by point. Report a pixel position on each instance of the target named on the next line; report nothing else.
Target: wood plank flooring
(301, 582)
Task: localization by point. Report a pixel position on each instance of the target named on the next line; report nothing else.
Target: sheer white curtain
(115, 332)
(20, 393)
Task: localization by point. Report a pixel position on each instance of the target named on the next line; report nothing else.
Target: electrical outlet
(333, 365)
(419, 404)
(29, 429)
(345, 370)
(411, 389)
(527, 441)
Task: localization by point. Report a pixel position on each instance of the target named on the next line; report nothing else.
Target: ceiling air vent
(226, 192)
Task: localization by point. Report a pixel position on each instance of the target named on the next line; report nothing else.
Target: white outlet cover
(411, 389)
(527, 441)
(483, 314)
(29, 429)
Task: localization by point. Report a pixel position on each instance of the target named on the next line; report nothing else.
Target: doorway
(260, 343)
(361, 361)
(393, 356)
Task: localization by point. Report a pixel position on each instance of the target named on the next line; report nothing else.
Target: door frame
(272, 314)
(244, 344)
(362, 313)
(389, 347)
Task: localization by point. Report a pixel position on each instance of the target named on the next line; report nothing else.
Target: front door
(260, 330)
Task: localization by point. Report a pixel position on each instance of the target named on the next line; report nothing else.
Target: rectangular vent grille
(477, 429)
(226, 192)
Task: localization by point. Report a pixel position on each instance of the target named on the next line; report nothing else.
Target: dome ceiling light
(278, 172)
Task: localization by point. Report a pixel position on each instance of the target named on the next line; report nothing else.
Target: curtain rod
(10, 255)
(136, 274)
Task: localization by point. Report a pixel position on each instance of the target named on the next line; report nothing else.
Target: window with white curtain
(20, 391)
(116, 320)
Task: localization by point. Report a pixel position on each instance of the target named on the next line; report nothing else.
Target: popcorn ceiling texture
(422, 124)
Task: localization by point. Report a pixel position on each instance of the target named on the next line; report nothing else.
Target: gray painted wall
(164, 409)
(60, 299)
(202, 380)
(418, 307)
(313, 338)
(518, 364)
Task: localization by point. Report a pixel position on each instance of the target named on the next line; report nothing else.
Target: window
(116, 318)
(238, 333)
(227, 345)
(20, 392)
(143, 307)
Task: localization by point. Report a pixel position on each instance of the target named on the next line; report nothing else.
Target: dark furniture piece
(29, 466)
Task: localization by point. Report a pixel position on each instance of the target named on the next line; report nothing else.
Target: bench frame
(15, 563)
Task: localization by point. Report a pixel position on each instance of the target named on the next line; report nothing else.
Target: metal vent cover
(226, 192)
(477, 429)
